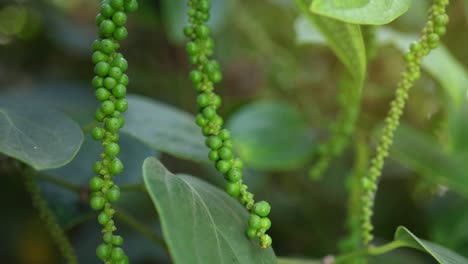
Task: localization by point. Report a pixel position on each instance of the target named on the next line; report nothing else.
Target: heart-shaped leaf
(40, 137)
(440, 253)
(271, 135)
(366, 12)
(201, 224)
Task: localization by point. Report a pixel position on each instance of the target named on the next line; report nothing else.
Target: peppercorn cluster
(110, 85)
(433, 30)
(218, 139)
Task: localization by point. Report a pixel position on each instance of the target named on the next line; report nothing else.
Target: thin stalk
(140, 227)
(371, 251)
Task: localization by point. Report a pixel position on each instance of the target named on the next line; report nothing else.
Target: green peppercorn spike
(218, 139)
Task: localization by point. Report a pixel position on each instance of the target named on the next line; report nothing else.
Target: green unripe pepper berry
(119, 91)
(97, 167)
(109, 82)
(117, 240)
(200, 120)
(203, 100)
(225, 134)
(251, 232)
(97, 202)
(203, 31)
(213, 155)
(117, 254)
(98, 133)
(107, 10)
(131, 6)
(97, 82)
(107, 27)
(196, 76)
(95, 184)
(120, 63)
(113, 124)
(262, 208)
(107, 237)
(102, 69)
(115, 72)
(234, 175)
(115, 166)
(116, 4)
(223, 166)
(209, 113)
(216, 76)
(124, 80)
(233, 189)
(112, 149)
(99, 19)
(119, 18)
(265, 223)
(107, 107)
(121, 105)
(99, 116)
(192, 48)
(102, 94)
(99, 56)
(254, 221)
(120, 33)
(214, 142)
(103, 251)
(225, 153)
(188, 31)
(107, 46)
(265, 241)
(113, 195)
(103, 218)
(204, 5)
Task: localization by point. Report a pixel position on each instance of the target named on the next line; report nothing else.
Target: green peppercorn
(203, 31)
(120, 33)
(121, 63)
(265, 241)
(113, 195)
(107, 27)
(200, 120)
(107, 10)
(224, 134)
(107, 107)
(262, 208)
(131, 6)
(223, 166)
(102, 68)
(225, 153)
(124, 80)
(265, 223)
(115, 166)
(102, 94)
(103, 251)
(107, 46)
(213, 155)
(95, 184)
(234, 175)
(254, 221)
(232, 189)
(192, 48)
(112, 149)
(103, 218)
(116, 4)
(117, 254)
(99, 56)
(98, 82)
(97, 202)
(251, 232)
(113, 124)
(98, 133)
(209, 113)
(196, 76)
(121, 105)
(119, 91)
(117, 240)
(107, 237)
(214, 142)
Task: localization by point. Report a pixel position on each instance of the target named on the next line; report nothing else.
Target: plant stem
(140, 227)
(59, 182)
(371, 251)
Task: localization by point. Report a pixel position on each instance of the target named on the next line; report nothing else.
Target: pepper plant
(217, 218)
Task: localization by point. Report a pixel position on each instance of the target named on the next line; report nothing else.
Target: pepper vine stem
(370, 251)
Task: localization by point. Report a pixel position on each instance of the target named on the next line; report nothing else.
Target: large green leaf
(201, 224)
(368, 12)
(271, 135)
(440, 253)
(164, 128)
(344, 39)
(41, 137)
(423, 154)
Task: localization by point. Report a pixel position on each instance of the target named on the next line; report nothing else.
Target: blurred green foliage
(45, 46)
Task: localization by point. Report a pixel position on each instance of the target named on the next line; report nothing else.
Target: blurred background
(45, 50)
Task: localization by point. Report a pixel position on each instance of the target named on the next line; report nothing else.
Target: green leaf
(271, 135)
(297, 261)
(421, 153)
(40, 137)
(366, 12)
(201, 224)
(164, 128)
(344, 39)
(440, 253)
